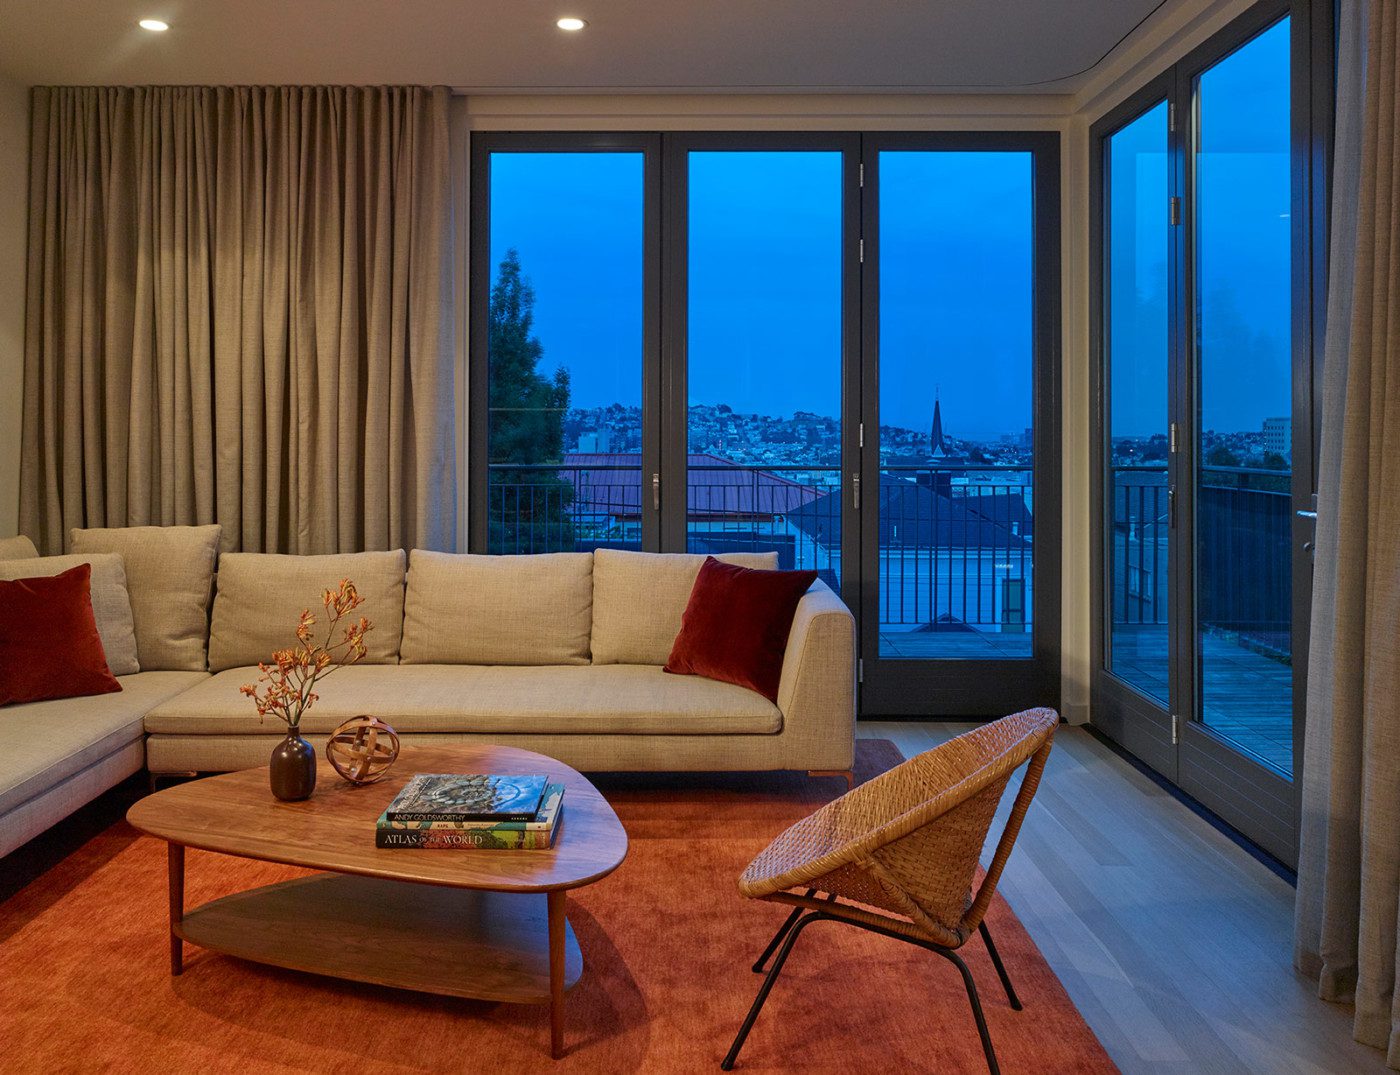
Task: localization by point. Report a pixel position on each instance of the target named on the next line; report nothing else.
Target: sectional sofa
(561, 653)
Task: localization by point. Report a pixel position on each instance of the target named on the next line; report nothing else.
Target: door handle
(656, 492)
(855, 490)
(1305, 513)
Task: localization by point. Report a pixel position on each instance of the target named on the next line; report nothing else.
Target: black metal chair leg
(765, 988)
(778, 937)
(1011, 996)
(982, 1030)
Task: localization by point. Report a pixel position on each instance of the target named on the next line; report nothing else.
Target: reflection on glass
(565, 345)
(764, 356)
(956, 448)
(1244, 363)
(1137, 348)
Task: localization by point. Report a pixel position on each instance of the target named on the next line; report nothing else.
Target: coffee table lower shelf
(458, 942)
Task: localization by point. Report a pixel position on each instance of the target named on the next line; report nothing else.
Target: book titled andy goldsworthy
(536, 834)
(468, 797)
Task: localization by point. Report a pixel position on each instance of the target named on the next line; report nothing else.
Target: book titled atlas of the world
(468, 797)
(536, 834)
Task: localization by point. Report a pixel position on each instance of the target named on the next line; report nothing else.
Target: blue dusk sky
(764, 302)
(1243, 204)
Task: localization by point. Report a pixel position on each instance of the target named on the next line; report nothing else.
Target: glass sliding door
(961, 559)
(1136, 349)
(765, 353)
(1209, 251)
(1242, 179)
(566, 335)
(1135, 446)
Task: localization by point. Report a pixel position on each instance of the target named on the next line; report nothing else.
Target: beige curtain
(1348, 905)
(240, 311)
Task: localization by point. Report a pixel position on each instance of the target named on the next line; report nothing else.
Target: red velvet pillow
(49, 646)
(735, 627)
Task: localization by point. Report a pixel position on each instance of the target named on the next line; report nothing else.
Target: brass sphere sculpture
(362, 749)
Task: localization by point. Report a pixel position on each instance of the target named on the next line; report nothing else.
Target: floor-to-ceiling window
(1136, 346)
(961, 539)
(956, 359)
(1206, 264)
(1242, 227)
(840, 347)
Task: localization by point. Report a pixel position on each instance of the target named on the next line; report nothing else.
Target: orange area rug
(667, 944)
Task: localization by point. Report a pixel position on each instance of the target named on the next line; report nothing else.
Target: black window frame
(986, 687)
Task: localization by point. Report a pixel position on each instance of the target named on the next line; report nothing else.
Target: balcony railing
(956, 547)
(956, 541)
(1243, 562)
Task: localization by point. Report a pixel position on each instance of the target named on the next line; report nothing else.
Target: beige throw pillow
(17, 548)
(260, 596)
(111, 607)
(170, 574)
(639, 597)
(468, 609)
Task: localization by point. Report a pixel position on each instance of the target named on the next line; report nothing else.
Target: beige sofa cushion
(170, 574)
(17, 548)
(47, 742)
(639, 597)
(260, 596)
(111, 607)
(466, 609)
(495, 699)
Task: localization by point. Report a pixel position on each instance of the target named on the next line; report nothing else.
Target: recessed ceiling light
(155, 25)
(571, 24)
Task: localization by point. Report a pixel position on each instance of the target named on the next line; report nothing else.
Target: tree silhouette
(529, 499)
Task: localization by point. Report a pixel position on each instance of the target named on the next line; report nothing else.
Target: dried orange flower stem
(294, 672)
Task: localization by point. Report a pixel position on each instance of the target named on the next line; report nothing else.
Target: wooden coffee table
(489, 925)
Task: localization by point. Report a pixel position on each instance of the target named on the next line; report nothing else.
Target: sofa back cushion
(260, 596)
(170, 575)
(17, 548)
(50, 640)
(111, 606)
(468, 609)
(639, 598)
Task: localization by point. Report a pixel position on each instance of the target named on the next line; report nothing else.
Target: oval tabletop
(235, 814)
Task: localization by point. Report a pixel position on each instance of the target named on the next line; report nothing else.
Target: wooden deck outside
(1248, 696)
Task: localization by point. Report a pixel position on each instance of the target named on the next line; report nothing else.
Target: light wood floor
(1174, 942)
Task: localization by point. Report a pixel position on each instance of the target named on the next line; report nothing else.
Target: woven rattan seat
(899, 855)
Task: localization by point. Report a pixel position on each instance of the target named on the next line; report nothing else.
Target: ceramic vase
(293, 769)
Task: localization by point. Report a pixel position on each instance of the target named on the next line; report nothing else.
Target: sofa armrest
(817, 692)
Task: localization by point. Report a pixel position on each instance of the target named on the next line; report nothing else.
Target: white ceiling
(629, 45)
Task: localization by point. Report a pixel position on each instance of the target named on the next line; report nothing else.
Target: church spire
(936, 446)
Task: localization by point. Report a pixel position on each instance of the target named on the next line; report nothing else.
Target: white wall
(14, 185)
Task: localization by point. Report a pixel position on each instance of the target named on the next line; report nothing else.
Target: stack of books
(472, 811)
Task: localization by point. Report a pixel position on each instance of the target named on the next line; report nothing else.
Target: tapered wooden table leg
(176, 863)
(557, 926)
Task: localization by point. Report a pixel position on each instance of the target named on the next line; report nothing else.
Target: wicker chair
(898, 855)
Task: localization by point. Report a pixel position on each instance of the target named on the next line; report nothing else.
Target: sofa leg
(153, 779)
(847, 773)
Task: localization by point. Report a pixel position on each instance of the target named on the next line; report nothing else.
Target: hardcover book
(535, 835)
(468, 797)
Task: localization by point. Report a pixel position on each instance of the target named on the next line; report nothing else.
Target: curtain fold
(1348, 903)
(240, 311)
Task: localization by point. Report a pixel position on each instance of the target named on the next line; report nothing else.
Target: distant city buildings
(801, 440)
(1278, 436)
